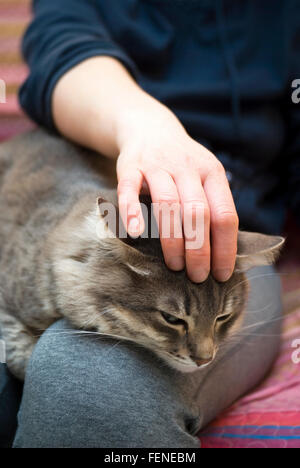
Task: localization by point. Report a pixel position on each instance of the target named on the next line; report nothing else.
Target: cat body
(54, 264)
(41, 180)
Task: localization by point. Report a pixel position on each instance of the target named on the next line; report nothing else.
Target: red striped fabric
(270, 415)
(14, 16)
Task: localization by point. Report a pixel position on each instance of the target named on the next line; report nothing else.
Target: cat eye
(172, 319)
(223, 318)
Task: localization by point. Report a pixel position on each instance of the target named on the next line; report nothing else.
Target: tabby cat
(54, 264)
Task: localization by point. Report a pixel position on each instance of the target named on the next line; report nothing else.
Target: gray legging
(83, 391)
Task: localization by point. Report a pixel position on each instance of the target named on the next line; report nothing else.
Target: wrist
(142, 115)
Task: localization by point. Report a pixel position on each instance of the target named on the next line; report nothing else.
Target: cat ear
(109, 212)
(256, 250)
(114, 226)
(113, 236)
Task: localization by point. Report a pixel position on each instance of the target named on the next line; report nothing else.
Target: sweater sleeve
(293, 159)
(63, 33)
(292, 152)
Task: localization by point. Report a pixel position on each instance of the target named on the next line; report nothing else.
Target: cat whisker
(260, 310)
(99, 335)
(228, 344)
(248, 280)
(112, 347)
(263, 322)
(261, 335)
(239, 339)
(72, 333)
(82, 332)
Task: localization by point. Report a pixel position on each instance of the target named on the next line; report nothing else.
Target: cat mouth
(182, 364)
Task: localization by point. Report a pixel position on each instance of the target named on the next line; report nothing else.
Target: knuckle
(219, 168)
(226, 219)
(172, 247)
(167, 198)
(191, 207)
(196, 213)
(126, 185)
(196, 257)
(154, 171)
(189, 160)
(223, 261)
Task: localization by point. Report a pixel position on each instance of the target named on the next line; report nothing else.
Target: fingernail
(176, 263)
(199, 275)
(134, 227)
(223, 275)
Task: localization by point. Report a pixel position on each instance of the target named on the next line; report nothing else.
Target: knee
(79, 393)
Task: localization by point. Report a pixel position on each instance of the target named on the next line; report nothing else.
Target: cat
(54, 264)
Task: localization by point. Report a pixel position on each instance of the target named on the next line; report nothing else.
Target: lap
(83, 391)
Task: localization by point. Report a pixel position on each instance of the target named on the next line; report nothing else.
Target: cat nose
(202, 362)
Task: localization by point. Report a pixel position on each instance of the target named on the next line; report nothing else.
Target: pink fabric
(269, 416)
(13, 74)
(11, 12)
(14, 17)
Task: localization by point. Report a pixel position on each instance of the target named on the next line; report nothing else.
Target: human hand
(156, 151)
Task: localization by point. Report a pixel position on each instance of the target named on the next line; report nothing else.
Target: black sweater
(225, 67)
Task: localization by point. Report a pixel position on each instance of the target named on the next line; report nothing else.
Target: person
(193, 101)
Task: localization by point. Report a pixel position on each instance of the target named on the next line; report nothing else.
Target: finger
(224, 223)
(129, 187)
(167, 212)
(196, 224)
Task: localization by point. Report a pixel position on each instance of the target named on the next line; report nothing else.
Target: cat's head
(122, 287)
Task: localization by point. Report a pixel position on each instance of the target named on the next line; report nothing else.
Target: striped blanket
(14, 15)
(268, 416)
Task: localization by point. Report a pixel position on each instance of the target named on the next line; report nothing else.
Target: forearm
(94, 101)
